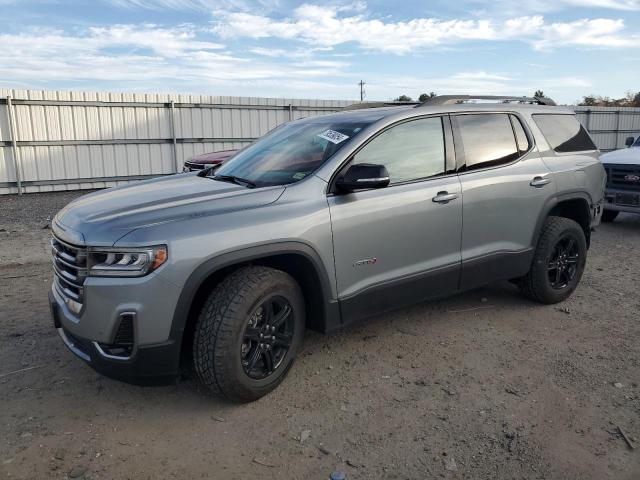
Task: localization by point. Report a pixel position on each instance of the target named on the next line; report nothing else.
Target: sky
(322, 49)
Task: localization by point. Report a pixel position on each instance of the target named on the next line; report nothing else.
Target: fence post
(173, 136)
(587, 120)
(14, 145)
(617, 128)
(290, 112)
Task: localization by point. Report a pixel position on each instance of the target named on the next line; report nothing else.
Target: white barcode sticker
(333, 136)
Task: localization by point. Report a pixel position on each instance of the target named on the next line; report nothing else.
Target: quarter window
(486, 140)
(410, 151)
(564, 133)
(521, 137)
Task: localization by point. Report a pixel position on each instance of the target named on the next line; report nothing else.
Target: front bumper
(90, 334)
(622, 200)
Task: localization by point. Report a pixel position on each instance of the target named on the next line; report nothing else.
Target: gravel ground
(481, 385)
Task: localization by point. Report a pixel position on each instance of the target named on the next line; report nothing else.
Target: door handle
(539, 182)
(444, 197)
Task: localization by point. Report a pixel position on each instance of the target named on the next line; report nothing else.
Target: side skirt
(400, 293)
(439, 283)
(495, 267)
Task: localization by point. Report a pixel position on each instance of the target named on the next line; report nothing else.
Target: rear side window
(486, 140)
(564, 133)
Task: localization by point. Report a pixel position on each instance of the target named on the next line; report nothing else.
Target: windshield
(637, 144)
(289, 153)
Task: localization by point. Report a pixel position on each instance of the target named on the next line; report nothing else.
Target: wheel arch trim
(236, 257)
(553, 202)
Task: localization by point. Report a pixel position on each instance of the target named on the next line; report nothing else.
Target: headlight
(125, 262)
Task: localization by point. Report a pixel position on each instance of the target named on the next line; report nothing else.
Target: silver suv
(321, 223)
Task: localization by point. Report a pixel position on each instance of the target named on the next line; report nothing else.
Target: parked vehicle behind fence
(207, 160)
(321, 223)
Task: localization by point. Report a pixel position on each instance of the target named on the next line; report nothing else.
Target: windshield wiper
(233, 179)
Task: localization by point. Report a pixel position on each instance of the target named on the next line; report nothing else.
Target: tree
(630, 100)
(403, 98)
(426, 96)
(538, 94)
(589, 101)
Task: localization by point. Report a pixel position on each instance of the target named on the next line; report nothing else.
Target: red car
(200, 162)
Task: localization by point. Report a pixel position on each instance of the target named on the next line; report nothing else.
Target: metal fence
(54, 140)
(610, 126)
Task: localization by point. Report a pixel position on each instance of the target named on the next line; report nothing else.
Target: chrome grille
(70, 269)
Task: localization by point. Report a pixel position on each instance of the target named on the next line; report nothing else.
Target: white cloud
(131, 55)
(328, 26)
(197, 5)
(506, 8)
(546, 5)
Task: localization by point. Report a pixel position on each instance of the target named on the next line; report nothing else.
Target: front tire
(609, 216)
(248, 333)
(558, 261)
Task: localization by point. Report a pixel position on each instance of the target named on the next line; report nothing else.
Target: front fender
(244, 255)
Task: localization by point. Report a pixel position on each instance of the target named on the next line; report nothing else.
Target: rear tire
(558, 262)
(233, 331)
(609, 215)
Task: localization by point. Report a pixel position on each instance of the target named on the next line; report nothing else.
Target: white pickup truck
(622, 193)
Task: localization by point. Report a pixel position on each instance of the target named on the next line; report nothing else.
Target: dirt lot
(482, 385)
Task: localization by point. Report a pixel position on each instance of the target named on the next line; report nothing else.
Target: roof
(371, 115)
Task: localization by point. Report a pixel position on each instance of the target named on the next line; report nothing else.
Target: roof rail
(452, 99)
(361, 105)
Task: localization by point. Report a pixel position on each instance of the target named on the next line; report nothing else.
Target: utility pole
(362, 84)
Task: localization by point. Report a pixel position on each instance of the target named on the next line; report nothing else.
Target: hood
(624, 156)
(101, 218)
(212, 157)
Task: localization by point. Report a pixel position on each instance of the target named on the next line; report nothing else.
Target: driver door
(400, 244)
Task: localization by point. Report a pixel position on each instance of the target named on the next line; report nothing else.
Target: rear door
(505, 185)
(400, 244)
(571, 155)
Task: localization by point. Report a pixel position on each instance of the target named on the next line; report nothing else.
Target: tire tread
(532, 284)
(215, 328)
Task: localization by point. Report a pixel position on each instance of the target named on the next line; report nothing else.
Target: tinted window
(637, 144)
(521, 136)
(410, 151)
(486, 139)
(564, 133)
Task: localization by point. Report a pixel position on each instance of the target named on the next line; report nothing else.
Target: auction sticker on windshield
(333, 136)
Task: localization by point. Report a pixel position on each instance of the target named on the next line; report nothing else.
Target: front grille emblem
(632, 178)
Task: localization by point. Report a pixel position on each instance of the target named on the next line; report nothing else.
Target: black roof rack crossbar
(453, 99)
(361, 105)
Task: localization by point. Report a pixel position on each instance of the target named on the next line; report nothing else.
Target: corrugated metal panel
(610, 126)
(87, 144)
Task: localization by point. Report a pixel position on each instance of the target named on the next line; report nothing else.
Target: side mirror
(362, 176)
(629, 141)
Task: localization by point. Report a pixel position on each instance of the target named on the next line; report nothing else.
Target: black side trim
(555, 200)
(493, 267)
(209, 267)
(400, 293)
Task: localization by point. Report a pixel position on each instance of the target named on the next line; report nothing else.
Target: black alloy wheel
(563, 263)
(267, 338)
